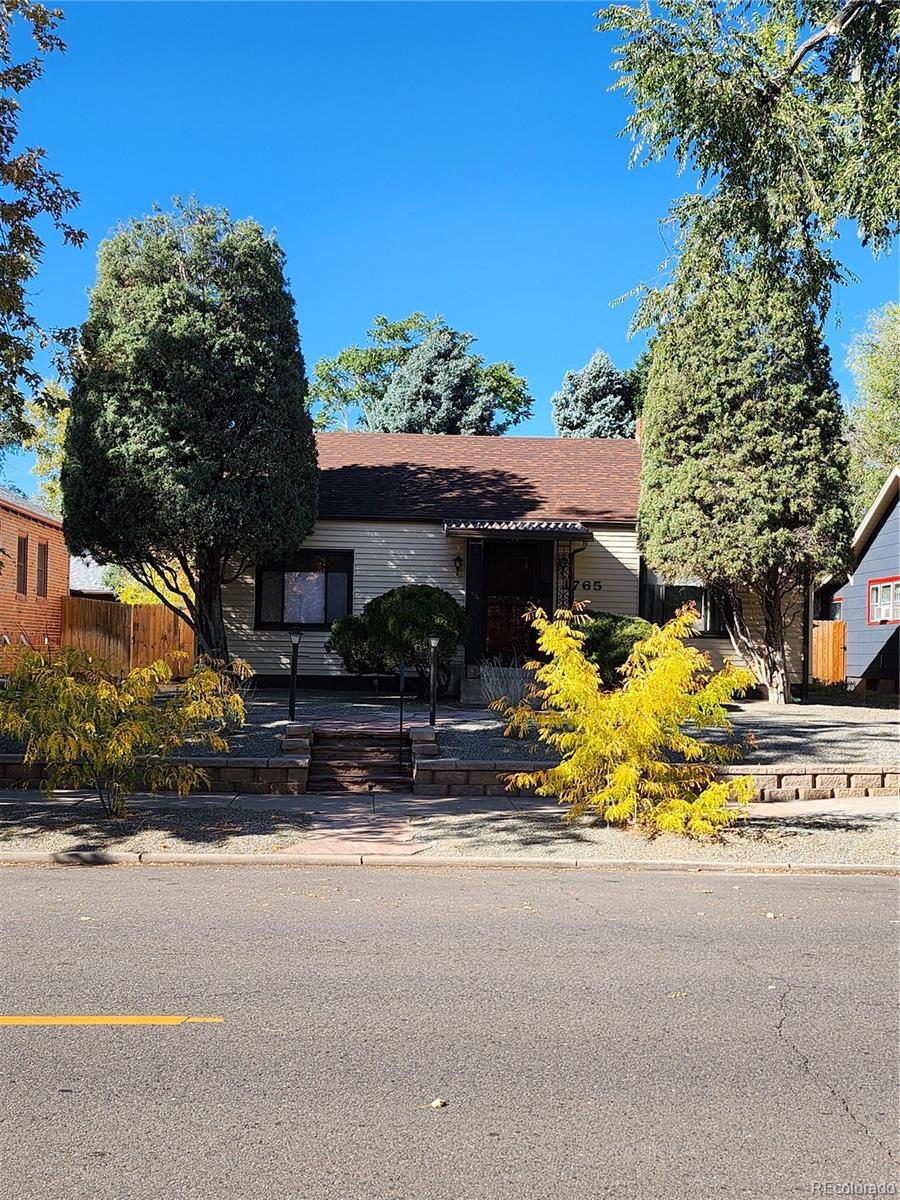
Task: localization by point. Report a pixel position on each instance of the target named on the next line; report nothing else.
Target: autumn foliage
(98, 728)
(627, 754)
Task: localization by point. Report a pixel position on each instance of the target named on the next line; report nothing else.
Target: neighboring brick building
(34, 572)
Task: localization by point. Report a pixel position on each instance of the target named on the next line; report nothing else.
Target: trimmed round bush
(609, 638)
(397, 625)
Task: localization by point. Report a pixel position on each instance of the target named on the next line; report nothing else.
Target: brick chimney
(639, 430)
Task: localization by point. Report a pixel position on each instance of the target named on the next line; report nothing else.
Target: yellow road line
(99, 1019)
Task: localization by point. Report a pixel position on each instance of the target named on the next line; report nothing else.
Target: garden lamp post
(295, 652)
(434, 641)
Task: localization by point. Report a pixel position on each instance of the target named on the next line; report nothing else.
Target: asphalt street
(593, 1035)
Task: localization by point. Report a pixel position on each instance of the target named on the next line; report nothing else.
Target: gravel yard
(831, 732)
(802, 840)
(836, 731)
(177, 830)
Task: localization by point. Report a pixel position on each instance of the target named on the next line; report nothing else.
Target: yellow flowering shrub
(98, 728)
(625, 753)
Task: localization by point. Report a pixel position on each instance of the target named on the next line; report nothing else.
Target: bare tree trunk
(201, 598)
(763, 649)
(209, 620)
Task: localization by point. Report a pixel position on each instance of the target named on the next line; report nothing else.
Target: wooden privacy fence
(829, 651)
(126, 635)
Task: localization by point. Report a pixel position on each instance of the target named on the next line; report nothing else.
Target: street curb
(104, 858)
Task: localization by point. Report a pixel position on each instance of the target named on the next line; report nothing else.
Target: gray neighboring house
(86, 579)
(868, 601)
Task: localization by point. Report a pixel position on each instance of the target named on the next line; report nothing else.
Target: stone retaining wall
(780, 781)
(434, 776)
(259, 776)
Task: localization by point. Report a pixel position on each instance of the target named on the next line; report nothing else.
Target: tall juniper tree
(595, 402)
(189, 447)
(744, 466)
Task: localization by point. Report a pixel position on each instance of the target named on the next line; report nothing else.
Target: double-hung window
(42, 570)
(22, 566)
(884, 601)
(311, 589)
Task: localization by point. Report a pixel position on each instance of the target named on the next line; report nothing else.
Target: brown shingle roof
(438, 477)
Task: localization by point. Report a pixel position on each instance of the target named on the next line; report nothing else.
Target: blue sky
(453, 158)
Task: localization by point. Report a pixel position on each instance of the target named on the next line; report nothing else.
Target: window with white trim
(884, 601)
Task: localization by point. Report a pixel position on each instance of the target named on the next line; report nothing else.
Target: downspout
(584, 545)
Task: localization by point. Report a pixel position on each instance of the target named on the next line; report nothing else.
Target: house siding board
(35, 617)
(867, 645)
(386, 554)
(611, 559)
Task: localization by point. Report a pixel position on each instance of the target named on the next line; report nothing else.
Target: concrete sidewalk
(401, 825)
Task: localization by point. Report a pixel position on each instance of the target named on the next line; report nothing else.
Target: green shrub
(609, 639)
(396, 626)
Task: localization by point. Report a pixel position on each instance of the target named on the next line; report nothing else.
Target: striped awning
(554, 530)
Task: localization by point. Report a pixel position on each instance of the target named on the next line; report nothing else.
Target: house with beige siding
(498, 523)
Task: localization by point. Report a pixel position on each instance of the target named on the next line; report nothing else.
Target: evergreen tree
(347, 387)
(189, 447)
(596, 401)
(744, 481)
(875, 421)
(638, 378)
(443, 388)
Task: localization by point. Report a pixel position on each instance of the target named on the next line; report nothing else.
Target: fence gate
(829, 651)
(126, 635)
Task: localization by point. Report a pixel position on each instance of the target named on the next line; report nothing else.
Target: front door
(516, 575)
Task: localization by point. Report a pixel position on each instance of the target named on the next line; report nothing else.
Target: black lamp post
(295, 651)
(434, 641)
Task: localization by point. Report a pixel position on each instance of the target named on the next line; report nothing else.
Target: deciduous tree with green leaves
(875, 419)
(189, 448)
(31, 195)
(346, 387)
(786, 112)
(596, 401)
(350, 390)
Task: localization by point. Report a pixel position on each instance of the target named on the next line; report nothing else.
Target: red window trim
(870, 583)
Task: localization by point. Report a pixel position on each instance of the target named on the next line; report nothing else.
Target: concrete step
(345, 757)
(356, 772)
(373, 743)
(390, 785)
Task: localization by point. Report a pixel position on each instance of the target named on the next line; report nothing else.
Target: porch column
(475, 600)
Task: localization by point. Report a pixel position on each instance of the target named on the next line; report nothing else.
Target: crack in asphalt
(807, 1067)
